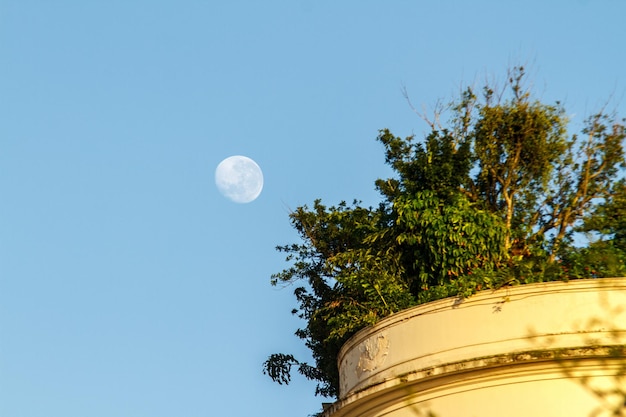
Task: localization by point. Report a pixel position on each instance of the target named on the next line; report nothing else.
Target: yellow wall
(545, 349)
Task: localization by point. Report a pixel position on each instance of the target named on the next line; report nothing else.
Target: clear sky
(129, 286)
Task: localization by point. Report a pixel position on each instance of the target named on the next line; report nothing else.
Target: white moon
(239, 178)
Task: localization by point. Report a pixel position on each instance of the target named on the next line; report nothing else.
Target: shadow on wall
(596, 363)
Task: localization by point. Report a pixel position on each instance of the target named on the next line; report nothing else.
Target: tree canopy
(492, 198)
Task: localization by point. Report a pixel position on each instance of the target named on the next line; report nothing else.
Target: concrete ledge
(538, 332)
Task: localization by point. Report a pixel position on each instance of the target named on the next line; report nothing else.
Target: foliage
(441, 240)
(605, 255)
(609, 218)
(349, 286)
(492, 199)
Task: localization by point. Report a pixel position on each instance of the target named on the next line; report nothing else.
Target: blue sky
(129, 286)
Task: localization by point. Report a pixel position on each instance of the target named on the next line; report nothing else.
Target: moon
(239, 179)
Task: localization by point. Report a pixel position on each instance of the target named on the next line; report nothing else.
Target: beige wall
(534, 349)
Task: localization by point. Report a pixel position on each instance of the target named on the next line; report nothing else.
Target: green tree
(346, 285)
(608, 220)
(605, 255)
(491, 199)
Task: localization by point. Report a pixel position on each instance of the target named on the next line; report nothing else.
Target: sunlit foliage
(493, 198)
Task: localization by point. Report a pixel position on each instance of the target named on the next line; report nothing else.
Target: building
(548, 350)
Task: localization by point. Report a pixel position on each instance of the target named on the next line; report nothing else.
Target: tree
(491, 199)
(346, 285)
(609, 218)
(605, 255)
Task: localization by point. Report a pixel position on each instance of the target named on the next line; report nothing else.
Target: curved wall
(549, 349)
